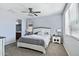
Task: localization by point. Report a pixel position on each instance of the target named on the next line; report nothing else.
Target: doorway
(18, 28)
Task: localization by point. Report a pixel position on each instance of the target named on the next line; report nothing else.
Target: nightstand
(56, 39)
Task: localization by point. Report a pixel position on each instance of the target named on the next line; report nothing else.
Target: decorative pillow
(36, 33)
(39, 33)
(28, 33)
(46, 33)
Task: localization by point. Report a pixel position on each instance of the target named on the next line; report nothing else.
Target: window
(72, 20)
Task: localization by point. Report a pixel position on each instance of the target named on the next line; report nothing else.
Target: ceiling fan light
(30, 14)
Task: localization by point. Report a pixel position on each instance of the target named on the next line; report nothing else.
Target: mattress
(34, 41)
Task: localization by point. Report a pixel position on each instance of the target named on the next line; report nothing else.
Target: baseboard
(66, 50)
(9, 42)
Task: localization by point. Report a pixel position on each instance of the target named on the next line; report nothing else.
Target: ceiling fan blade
(37, 12)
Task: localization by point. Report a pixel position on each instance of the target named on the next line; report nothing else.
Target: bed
(39, 40)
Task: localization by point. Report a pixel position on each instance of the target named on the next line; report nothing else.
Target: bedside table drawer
(56, 39)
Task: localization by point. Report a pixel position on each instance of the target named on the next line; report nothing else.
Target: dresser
(2, 46)
(18, 35)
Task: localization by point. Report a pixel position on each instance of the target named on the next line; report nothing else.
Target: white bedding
(46, 38)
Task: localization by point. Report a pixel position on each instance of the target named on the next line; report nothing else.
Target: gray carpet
(53, 50)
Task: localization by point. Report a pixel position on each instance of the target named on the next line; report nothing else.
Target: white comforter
(46, 38)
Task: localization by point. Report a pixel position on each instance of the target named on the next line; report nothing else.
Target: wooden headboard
(42, 30)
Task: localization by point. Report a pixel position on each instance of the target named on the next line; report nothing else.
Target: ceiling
(45, 8)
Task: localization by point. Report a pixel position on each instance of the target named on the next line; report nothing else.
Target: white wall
(52, 21)
(8, 26)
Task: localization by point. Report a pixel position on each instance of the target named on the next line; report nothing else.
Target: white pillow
(39, 33)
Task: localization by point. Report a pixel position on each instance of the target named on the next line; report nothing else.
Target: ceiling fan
(31, 11)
